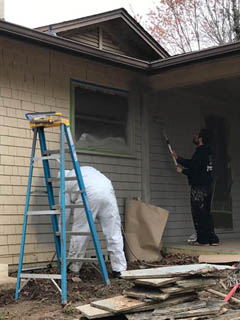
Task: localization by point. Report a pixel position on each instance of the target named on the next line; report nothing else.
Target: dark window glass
(101, 120)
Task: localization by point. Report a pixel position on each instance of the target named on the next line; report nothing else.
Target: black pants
(201, 213)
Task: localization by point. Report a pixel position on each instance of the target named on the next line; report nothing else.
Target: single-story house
(120, 89)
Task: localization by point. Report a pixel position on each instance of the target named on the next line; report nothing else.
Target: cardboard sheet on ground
(219, 258)
(144, 226)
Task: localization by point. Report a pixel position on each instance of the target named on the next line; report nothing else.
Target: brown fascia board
(82, 22)
(69, 46)
(195, 57)
(106, 16)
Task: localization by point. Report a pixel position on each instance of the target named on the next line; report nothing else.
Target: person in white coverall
(103, 205)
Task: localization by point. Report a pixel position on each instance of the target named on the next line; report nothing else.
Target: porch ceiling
(220, 91)
(213, 77)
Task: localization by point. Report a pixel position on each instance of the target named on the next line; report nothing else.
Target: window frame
(130, 127)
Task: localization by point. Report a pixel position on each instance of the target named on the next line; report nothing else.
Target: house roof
(121, 28)
(71, 47)
(67, 46)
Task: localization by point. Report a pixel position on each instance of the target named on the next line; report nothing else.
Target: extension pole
(169, 147)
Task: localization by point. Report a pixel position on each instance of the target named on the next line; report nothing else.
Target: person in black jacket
(198, 170)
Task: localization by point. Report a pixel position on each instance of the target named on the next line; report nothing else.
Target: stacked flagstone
(165, 293)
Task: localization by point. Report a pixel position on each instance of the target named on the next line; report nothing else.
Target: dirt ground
(40, 300)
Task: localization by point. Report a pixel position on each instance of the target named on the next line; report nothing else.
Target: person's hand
(179, 170)
(174, 155)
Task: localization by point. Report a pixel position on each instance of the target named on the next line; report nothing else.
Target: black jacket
(199, 168)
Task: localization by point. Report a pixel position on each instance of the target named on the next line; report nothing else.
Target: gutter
(195, 57)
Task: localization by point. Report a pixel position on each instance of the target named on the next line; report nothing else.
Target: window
(101, 119)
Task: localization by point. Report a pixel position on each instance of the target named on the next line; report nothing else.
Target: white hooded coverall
(103, 205)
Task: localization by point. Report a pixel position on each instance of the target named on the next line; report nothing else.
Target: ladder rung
(43, 212)
(54, 157)
(75, 233)
(68, 206)
(49, 152)
(38, 192)
(82, 259)
(58, 179)
(76, 192)
(40, 276)
(36, 268)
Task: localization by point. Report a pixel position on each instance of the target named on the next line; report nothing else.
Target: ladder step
(58, 179)
(43, 212)
(40, 276)
(82, 260)
(38, 192)
(55, 157)
(76, 192)
(49, 152)
(68, 206)
(75, 233)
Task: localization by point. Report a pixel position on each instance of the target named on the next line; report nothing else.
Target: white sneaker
(74, 267)
(192, 238)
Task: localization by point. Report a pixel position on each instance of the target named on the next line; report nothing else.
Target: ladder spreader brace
(38, 122)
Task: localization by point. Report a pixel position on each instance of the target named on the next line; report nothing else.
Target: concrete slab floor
(225, 247)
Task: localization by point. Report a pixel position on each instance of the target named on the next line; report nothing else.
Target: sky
(35, 13)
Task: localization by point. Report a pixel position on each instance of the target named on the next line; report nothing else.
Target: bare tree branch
(187, 25)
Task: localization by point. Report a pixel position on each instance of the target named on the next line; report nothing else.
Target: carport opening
(222, 173)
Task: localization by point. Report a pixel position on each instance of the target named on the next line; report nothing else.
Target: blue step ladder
(38, 122)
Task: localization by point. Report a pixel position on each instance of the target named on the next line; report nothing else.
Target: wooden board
(192, 309)
(146, 293)
(197, 283)
(92, 313)
(118, 304)
(230, 315)
(219, 258)
(172, 301)
(211, 310)
(156, 282)
(173, 271)
(163, 305)
(177, 290)
(139, 316)
(180, 308)
(168, 313)
(149, 306)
